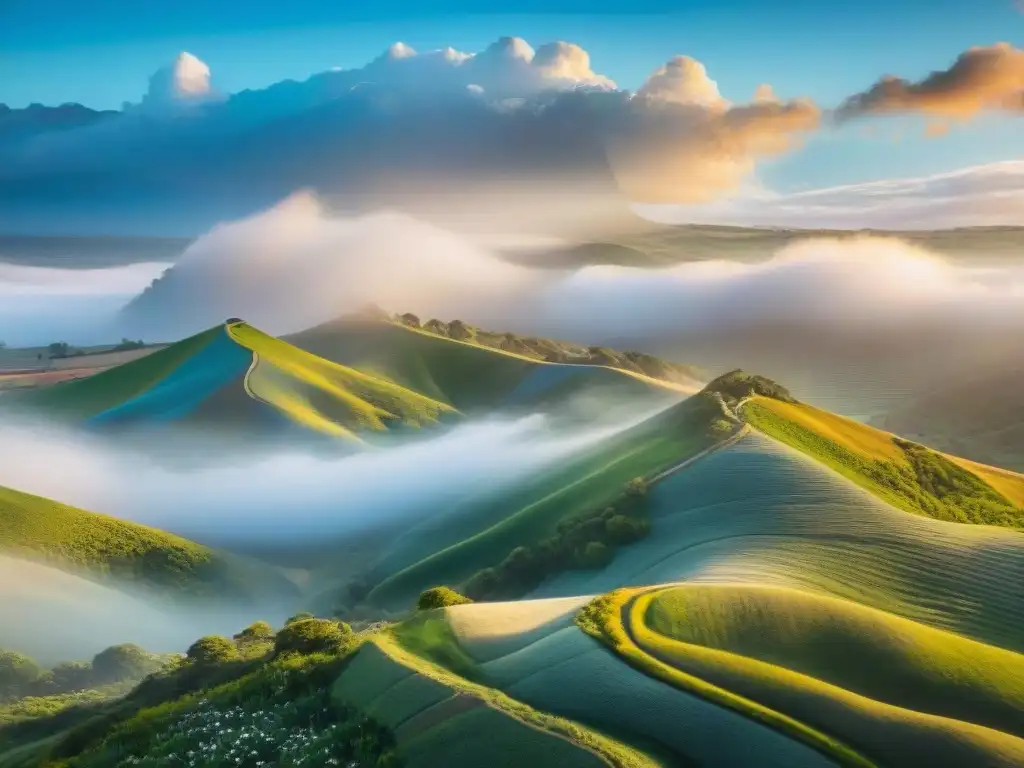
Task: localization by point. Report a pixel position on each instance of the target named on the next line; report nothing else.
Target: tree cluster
(584, 542)
(21, 676)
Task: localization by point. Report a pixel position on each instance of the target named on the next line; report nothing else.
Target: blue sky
(101, 54)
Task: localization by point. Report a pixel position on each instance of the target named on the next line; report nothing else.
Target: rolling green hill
(472, 376)
(481, 533)
(234, 377)
(121, 553)
(908, 475)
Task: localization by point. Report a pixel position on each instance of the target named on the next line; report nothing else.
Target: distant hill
(234, 377)
(661, 246)
(477, 371)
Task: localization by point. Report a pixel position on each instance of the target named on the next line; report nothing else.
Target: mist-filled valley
(381, 390)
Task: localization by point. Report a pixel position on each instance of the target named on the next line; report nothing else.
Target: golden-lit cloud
(682, 142)
(983, 78)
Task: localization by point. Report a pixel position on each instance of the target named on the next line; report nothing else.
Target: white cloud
(183, 82)
(294, 266)
(986, 195)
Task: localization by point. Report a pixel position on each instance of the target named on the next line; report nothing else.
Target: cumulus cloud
(681, 142)
(986, 195)
(183, 82)
(504, 133)
(981, 79)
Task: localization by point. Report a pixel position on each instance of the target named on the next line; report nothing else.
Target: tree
(410, 319)
(459, 330)
(301, 616)
(312, 636)
(17, 673)
(123, 662)
(440, 597)
(257, 632)
(58, 349)
(482, 583)
(212, 649)
(625, 530)
(636, 487)
(593, 556)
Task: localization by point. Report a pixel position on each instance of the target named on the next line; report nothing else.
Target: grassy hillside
(759, 511)
(481, 534)
(905, 474)
(327, 397)
(865, 686)
(532, 651)
(463, 374)
(83, 398)
(105, 548)
(442, 718)
(552, 351)
(235, 378)
(980, 416)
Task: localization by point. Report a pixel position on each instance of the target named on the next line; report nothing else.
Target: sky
(102, 53)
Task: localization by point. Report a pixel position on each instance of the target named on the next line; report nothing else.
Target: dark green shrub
(17, 673)
(212, 649)
(621, 529)
(593, 555)
(123, 662)
(312, 636)
(257, 632)
(301, 616)
(440, 597)
(71, 676)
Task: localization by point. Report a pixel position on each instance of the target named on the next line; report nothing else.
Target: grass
(534, 510)
(328, 397)
(464, 375)
(899, 692)
(908, 476)
(604, 619)
(83, 398)
(455, 738)
(106, 548)
(547, 662)
(856, 647)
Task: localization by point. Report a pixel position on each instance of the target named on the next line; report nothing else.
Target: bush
(71, 676)
(594, 555)
(212, 649)
(17, 673)
(312, 636)
(625, 530)
(257, 632)
(123, 662)
(301, 616)
(440, 597)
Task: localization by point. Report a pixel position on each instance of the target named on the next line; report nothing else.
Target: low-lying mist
(55, 616)
(860, 306)
(284, 498)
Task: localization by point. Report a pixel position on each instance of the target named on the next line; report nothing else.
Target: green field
(442, 718)
(866, 686)
(532, 651)
(107, 549)
(327, 397)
